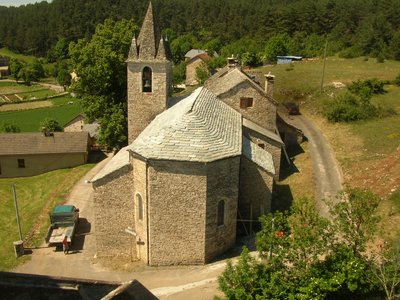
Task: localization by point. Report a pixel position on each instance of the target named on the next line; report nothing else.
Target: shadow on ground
(96, 156)
(83, 229)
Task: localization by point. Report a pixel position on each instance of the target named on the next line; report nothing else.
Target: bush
(348, 107)
(352, 52)
(397, 80)
(366, 88)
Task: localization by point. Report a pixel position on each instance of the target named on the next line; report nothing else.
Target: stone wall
(113, 213)
(191, 78)
(222, 184)
(144, 107)
(270, 145)
(263, 112)
(255, 191)
(140, 190)
(177, 207)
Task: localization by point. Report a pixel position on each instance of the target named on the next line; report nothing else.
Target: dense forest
(300, 27)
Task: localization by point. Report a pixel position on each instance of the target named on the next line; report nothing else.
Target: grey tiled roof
(265, 132)
(194, 52)
(258, 155)
(227, 79)
(198, 128)
(38, 143)
(117, 163)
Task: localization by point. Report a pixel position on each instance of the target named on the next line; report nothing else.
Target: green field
(305, 76)
(302, 83)
(36, 196)
(62, 109)
(21, 57)
(29, 120)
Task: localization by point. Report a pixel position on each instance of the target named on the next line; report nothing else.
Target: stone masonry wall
(191, 78)
(140, 188)
(177, 197)
(255, 191)
(263, 111)
(144, 107)
(271, 146)
(113, 213)
(222, 184)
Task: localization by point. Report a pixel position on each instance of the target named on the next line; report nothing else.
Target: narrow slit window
(221, 213)
(139, 202)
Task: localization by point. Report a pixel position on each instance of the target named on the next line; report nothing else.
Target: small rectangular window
(246, 102)
(21, 163)
(261, 145)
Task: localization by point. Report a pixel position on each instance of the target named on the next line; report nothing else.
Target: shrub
(348, 107)
(397, 80)
(366, 88)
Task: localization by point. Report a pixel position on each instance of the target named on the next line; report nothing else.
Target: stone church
(194, 169)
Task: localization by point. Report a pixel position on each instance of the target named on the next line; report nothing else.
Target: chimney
(233, 62)
(269, 84)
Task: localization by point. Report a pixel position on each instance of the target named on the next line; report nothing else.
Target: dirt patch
(25, 106)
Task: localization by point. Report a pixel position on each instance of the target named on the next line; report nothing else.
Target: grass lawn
(305, 76)
(37, 94)
(21, 57)
(10, 87)
(29, 120)
(36, 196)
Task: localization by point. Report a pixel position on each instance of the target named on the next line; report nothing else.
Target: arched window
(147, 80)
(221, 213)
(139, 205)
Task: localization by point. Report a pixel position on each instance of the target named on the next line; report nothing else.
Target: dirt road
(328, 176)
(192, 282)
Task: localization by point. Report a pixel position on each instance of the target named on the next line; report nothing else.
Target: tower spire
(149, 36)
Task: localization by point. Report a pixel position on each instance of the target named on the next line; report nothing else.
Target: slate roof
(199, 128)
(265, 132)
(119, 162)
(193, 53)
(38, 143)
(258, 155)
(150, 44)
(227, 79)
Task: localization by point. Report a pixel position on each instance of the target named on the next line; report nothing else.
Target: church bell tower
(149, 76)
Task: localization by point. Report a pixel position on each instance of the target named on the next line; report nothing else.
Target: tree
(276, 45)
(15, 68)
(385, 266)
(101, 69)
(8, 128)
(305, 256)
(50, 125)
(181, 45)
(202, 73)
(63, 75)
(355, 218)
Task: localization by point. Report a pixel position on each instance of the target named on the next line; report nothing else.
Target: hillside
(354, 27)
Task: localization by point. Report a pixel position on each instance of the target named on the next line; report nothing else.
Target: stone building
(192, 64)
(29, 154)
(192, 170)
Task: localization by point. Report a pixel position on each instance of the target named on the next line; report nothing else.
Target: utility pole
(323, 68)
(16, 212)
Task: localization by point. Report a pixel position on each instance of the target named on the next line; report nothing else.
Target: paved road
(327, 174)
